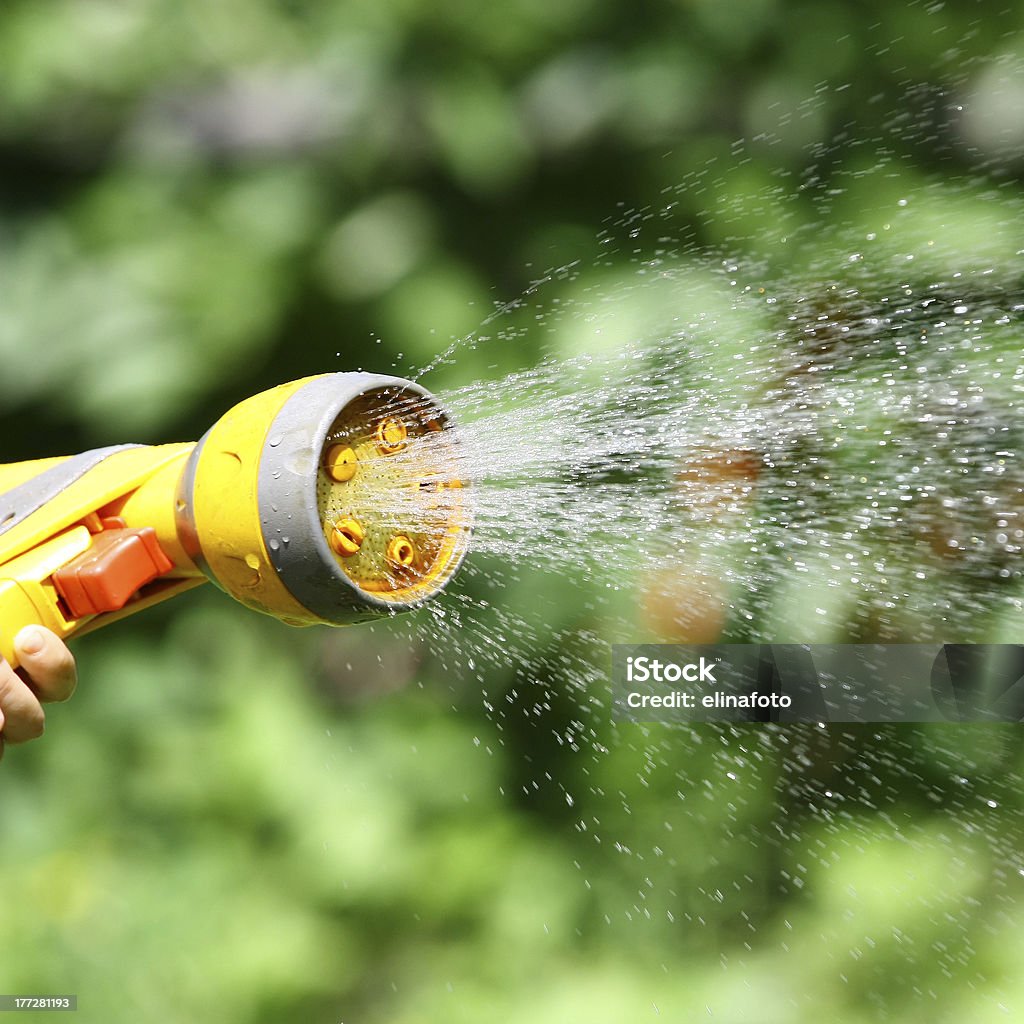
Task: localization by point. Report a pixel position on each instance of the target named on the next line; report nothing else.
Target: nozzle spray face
(390, 495)
(360, 503)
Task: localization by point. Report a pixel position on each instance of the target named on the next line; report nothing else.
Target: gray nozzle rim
(293, 532)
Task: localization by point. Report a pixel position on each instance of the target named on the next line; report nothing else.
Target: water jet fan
(329, 500)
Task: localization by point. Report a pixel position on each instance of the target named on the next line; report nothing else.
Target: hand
(47, 673)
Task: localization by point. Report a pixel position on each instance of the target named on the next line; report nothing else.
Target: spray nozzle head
(360, 507)
(397, 515)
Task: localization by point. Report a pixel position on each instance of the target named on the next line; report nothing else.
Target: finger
(23, 714)
(47, 663)
(1, 735)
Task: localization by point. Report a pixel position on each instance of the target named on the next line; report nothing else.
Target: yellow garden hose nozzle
(331, 499)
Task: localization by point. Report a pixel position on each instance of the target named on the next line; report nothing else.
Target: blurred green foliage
(237, 822)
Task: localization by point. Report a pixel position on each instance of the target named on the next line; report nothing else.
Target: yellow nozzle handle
(89, 539)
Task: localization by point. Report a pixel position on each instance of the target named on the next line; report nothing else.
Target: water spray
(329, 500)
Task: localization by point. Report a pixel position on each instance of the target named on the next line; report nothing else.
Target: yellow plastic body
(204, 504)
(141, 486)
(232, 538)
(137, 484)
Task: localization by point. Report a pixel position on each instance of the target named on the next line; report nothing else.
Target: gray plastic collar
(289, 514)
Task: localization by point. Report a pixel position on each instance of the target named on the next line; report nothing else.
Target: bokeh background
(238, 822)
